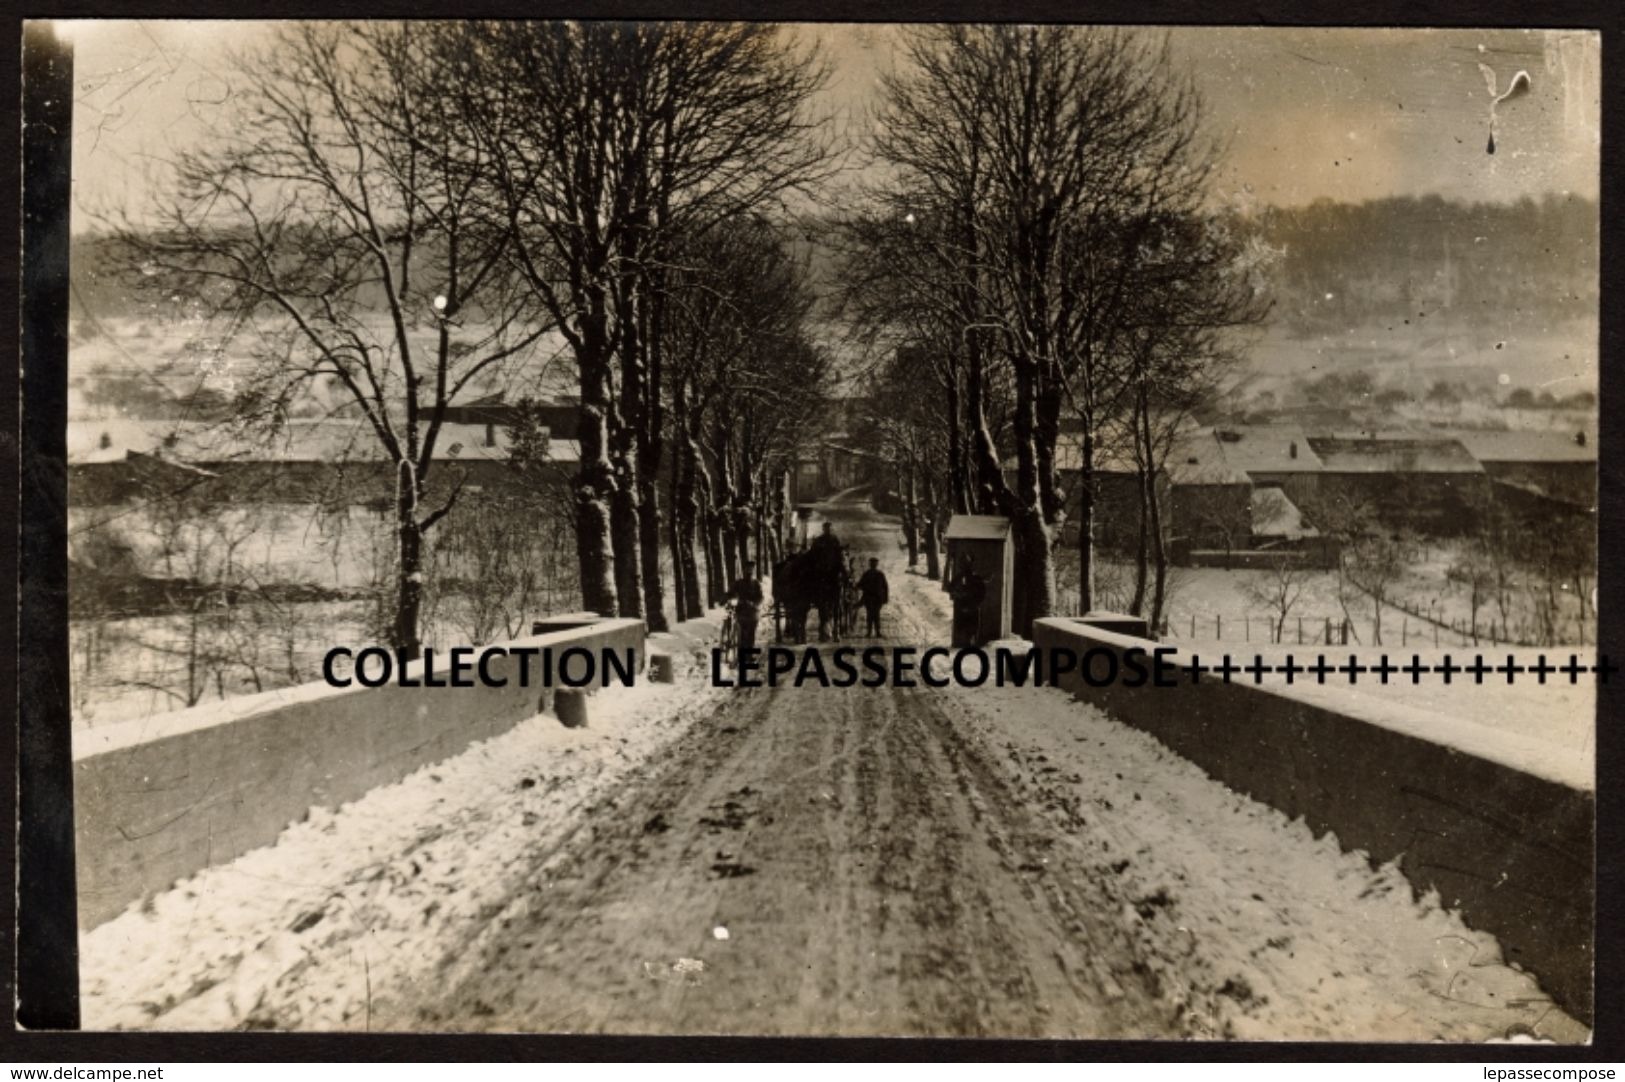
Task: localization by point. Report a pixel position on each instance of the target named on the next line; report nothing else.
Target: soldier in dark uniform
(747, 597)
(968, 591)
(827, 561)
(874, 593)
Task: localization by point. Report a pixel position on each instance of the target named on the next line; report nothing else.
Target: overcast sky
(1306, 113)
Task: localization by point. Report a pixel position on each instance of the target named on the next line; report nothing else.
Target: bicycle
(728, 639)
(846, 619)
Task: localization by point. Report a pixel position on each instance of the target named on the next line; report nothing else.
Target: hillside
(1410, 261)
(1412, 292)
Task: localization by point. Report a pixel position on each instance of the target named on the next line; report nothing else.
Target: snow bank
(1509, 848)
(162, 797)
(1264, 924)
(1265, 928)
(385, 891)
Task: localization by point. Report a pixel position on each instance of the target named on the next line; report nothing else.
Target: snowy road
(825, 861)
(873, 871)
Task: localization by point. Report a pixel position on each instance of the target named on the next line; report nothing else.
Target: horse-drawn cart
(802, 583)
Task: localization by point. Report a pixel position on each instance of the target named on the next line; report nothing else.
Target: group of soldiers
(819, 578)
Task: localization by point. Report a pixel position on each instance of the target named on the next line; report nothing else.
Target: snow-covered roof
(1275, 515)
(1528, 446)
(1274, 448)
(1199, 457)
(1194, 456)
(1393, 453)
(297, 441)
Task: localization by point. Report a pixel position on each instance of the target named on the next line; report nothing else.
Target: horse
(801, 585)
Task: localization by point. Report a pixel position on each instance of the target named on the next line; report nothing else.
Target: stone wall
(157, 799)
(1511, 851)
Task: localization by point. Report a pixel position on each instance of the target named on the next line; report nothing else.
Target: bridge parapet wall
(1510, 850)
(160, 798)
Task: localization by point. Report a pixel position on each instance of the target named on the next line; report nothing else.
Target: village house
(1205, 501)
(307, 461)
(1551, 467)
(1421, 482)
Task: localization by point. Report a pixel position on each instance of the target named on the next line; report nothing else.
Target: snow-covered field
(280, 543)
(181, 353)
(1211, 605)
(132, 668)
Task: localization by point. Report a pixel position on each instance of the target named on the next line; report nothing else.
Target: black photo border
(41, 964)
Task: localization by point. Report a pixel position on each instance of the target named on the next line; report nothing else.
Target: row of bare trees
(1042, 239)
(415, 213)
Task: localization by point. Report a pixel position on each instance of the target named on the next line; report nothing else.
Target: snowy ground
(1548, 729)
(865, 861)
(1325, 945)
(373, 895)
(1211, 605)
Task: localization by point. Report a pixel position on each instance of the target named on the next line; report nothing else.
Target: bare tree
(340, 223)
(746, 392)
(1278, 588)
(606, 142)
(1195, 284)
(1557, 560)
(1344, 520)
(1378, 560)
(1047, 164)
(1475, 569)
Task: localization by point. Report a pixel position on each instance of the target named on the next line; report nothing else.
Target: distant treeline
(1342, 264)
(1385, 259)
(103, 270)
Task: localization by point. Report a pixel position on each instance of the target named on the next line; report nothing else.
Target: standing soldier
(827, 560)
(968, 591)
(874, 593)
(747, 597)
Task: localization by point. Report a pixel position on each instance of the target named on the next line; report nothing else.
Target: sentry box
(987, 540)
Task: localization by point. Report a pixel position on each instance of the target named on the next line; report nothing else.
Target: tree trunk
(911, 515)
(686, 505)
(987, 482)
(685, 554)
(405, 636)
(1035, 596)
(1035, 572)
(625, 541)
(654, 588)
(933, 558)
(1159, 552)
(674, 542)
(745, 501)
(1145, 458)
(594, 480)
(716, 584)
(1046, 432)
(730, 546)
(723, 501)
(710, 538)
(958, 483)
(1142, 546)
(651, 449)
(1086, 518)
